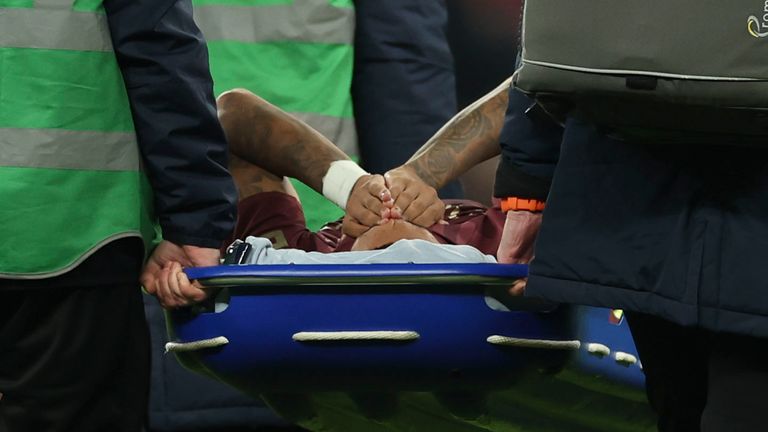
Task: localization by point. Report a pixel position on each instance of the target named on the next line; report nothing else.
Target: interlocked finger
(431, 215)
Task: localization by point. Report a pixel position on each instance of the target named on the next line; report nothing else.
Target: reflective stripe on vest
(297, 54)
(70, 178)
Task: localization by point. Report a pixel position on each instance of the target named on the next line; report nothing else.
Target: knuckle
(437, 210)
(419, 206)
(372, 203)
(395, 186)
(367, 222)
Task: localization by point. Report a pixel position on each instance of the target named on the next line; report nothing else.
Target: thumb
(378, 186)
(386, 197)
(395, 187)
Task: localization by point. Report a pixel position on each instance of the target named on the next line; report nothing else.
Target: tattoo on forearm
(437, 162)
(274, 141)
(311, 164)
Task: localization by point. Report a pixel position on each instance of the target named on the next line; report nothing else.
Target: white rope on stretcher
(624, 358)
(598, 349)
(196, 345)
(384, 335)
(534, 343)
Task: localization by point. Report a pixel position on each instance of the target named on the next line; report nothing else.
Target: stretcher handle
(356, 274)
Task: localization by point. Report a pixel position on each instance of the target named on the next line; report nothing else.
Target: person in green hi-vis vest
(108, 132)
(297, 54)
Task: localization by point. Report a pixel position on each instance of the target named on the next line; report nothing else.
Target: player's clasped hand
(399, 194)
(417, 201)
(369, 204)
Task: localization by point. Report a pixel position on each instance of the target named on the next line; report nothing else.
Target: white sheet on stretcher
(402, 251)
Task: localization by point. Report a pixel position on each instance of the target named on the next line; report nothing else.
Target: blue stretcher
(396, 329)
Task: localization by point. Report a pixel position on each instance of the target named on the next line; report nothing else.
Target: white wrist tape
(339, 181)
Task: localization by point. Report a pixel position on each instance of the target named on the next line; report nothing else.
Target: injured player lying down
(395, 218)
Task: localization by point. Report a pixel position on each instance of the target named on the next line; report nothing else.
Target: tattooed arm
(469, 138)
(267, 144)
(266, 136)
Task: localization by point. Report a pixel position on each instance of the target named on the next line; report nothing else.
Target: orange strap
(514, 203)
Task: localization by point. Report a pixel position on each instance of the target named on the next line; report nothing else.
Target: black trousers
(74, 350)
(698, 380)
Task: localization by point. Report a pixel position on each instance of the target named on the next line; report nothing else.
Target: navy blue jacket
(679, 231)
(530, 147)
(404, 85)
(164, 61)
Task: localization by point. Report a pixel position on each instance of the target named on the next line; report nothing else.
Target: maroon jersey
(280, 218)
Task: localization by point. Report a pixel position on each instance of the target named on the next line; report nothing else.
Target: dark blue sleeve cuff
(530, 149)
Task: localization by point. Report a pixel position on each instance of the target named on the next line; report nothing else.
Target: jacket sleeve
(164, 62)
(530, 148)
(404, 84)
